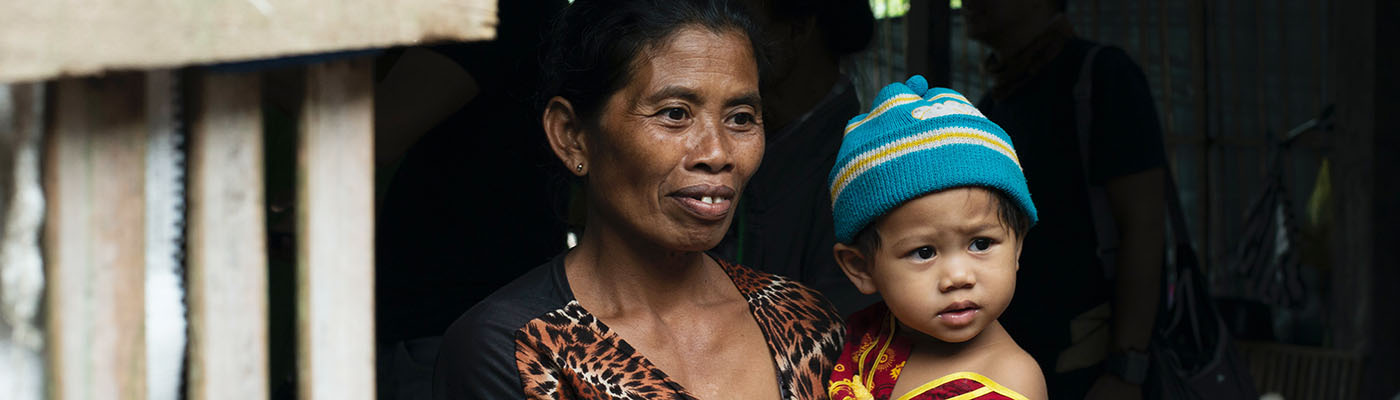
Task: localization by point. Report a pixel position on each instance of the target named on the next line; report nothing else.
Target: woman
(655, 106)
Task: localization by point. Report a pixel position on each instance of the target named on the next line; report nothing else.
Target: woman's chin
(698, 241)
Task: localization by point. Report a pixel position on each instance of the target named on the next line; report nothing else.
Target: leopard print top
(563, 352)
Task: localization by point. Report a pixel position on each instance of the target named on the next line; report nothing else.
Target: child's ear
(856, 266)
(1019, 244)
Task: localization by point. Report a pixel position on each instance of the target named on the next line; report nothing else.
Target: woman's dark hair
(592, 49)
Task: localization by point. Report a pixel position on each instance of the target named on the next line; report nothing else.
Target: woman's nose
(711, 151)
(957, 277)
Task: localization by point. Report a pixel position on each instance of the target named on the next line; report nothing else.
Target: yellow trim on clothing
(870, 378)
(973, 394)
(987, 383)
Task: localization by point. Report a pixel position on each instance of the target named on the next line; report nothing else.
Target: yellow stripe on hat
(949, 95)
(892, 102)
(927, 140)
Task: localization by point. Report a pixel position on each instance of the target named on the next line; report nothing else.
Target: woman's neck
(613, 273)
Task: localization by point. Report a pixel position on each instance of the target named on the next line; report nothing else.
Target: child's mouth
(959, 314)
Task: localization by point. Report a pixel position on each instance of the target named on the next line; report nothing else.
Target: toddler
(930, 207)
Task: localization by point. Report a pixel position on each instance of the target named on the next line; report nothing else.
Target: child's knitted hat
(916, 141)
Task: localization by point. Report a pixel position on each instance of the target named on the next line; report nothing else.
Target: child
(930, 208)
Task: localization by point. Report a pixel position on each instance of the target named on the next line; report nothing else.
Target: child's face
(946, 264)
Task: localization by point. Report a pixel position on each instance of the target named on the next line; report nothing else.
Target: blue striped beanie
(917, 141)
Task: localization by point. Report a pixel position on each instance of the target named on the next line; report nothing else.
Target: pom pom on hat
(914, 141)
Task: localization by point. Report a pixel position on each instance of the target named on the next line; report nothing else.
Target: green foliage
(897, 8)
(889, 8)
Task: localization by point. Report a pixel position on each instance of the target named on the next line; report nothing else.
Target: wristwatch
(1131, 365)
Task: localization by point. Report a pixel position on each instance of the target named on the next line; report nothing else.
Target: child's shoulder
(1013, 368)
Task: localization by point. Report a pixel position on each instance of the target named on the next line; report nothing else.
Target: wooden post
(1353, 168)
(1168, 107)
(1200, 40)
(227, 241)
(166, 325)
(335, 233)
(928, 50)
(1384, 363)
(94, 238)
(21, 220)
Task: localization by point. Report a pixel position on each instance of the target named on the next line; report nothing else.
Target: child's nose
(957, 278)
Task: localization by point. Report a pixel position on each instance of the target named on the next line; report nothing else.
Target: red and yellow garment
(874, 355)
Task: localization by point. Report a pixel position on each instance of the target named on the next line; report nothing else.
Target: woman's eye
(743, 119)
(923, 253)
(674, 113)
(980, 244)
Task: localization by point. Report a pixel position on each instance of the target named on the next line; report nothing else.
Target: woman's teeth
(709, 200)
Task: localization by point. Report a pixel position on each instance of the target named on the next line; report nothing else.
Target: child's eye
(922, 253)
(980, 244)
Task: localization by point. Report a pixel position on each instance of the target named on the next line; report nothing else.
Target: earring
(580, 167)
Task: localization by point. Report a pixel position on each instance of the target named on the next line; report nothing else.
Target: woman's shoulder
(478, 354)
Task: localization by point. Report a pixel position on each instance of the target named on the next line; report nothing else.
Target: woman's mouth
(959, 314)
(705, 201)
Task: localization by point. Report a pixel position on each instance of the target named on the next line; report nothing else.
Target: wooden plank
(1382, 368)
(21, 220)
(928, 49)
(166, 326)
(1098, 23)
(1286, 119)
(227, 241)
(44, 39)
(1168, 106)
(916, 41)
(94, 238)
(1353, 25)
(335, 225)
(1200, 99)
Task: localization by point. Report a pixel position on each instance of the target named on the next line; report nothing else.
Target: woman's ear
(856, 266)
(566, 135)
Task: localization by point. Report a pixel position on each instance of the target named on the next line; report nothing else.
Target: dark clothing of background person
(786, 224)
(1061, 274)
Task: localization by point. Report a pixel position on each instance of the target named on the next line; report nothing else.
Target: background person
(784, 225)
(1035, 64)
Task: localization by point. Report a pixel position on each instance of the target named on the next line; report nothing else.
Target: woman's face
(674, 147)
